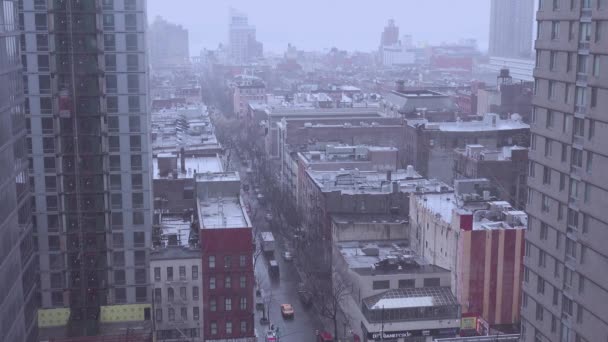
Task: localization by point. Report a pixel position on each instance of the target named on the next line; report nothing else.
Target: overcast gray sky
(320, 24)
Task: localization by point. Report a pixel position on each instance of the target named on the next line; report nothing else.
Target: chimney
(182, 153)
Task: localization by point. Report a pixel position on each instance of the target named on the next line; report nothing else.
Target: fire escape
(77, 81)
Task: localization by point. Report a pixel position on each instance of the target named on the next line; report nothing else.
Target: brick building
(226, 241)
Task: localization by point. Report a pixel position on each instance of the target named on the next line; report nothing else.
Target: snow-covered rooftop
(222, 212)
(193, 165)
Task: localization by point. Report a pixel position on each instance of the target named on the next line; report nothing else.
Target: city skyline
(208, 27)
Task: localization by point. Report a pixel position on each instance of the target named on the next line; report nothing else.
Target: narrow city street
(276, 290)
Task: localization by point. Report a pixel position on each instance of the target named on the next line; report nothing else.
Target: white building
(175, 275)
(242, 43)
(394, 293)
(396, 54)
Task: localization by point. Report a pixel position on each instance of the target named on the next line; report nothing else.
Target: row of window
(244, 261)
(213, 328)
(213, 282)
(183, 314)
(129, 5)
(213, 304)
(158, 294)
(582, 94)
(557, 5)
(405, 283)
(572, 59)
(120, 296)
(576, 220)
(586, 30)
(565, 332)
(182, 273)
(130, 21)
(50, 165)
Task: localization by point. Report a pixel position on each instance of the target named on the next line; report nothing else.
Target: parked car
(271, 336)
(287, 311)
(324, 336)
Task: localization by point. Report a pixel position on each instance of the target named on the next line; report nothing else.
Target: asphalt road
(281, 289)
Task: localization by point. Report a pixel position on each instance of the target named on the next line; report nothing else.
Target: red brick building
(226, 241)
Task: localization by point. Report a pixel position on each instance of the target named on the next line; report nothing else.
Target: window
(542, 258)
(549, 119)
(131, 42)
(182, 293)
(545, 203)
(131, 22)
(533, 141)
(135, 143)
(213, 304)
(109, 42)
(552, 58)
(577, 157)
(170, 273)
(108, 4)
(243, 282)
(157, 273)
(132, 62)
(593, 102)
(591, 129)
(567, 305)
(598, 31)
(579, 127)
(211, 261)
(243, 303)
(228, 304)
(184, 313)
(194, 272)
(540, 285)
(548, 147)
(228, 328)
(570, 248)
(136, 163)
(556, 5)
(560, 211)
(544, 231)
(243, 326)
(431, 282)
(380, 284)
(573, 218)
(564, 152)
(159, 315)
(585, 32)
(133, 83)
(546, 175)
(580, 95)
(555, 30)
(581, 284)
(108, 22)
(524, 301)
(134, 104)
(243, 261)
(539, 312)
(171, 314)
(158, 295)
(111, 84)
(212, 283)
(532, 169)
(42, 42)
(134, 124)
(227, 261)
(571, 26)
(195, 292)
(130, 5)
(182, 272)
(407, 283)
(569, 60)
(526, 274)
(213, 328)
(551, 90)
(596, 65)
(228, 282)
(589, 164)
(582, 64)
(170, 294)
(195, 313)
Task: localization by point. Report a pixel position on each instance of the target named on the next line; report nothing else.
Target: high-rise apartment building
(565, 279)
(168, 44)
(86, 81)
(18, 300)
(242, 44)
(390, 35)
(511, 25)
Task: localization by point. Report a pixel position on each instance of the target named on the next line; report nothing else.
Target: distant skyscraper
(86, 78)
(511, 25)
(390, 35)
(168, 44)
(18, 275)
(566, 259)
(242, 43)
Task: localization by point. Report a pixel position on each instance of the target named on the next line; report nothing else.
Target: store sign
(411, 333)
(468, 323)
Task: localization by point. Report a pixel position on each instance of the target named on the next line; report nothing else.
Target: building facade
(226, 242)
(242, 44)
(564, 282)
(169, 45)
(18, 300)
(511, 24)
(87, 82)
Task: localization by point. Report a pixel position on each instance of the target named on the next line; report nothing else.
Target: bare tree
(332, 298)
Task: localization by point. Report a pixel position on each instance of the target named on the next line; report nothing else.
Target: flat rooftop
(222, 212)
(290, 113)
(369, 218)
(411, 298)
(359, 259)
(194, 164)
(485, 125)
